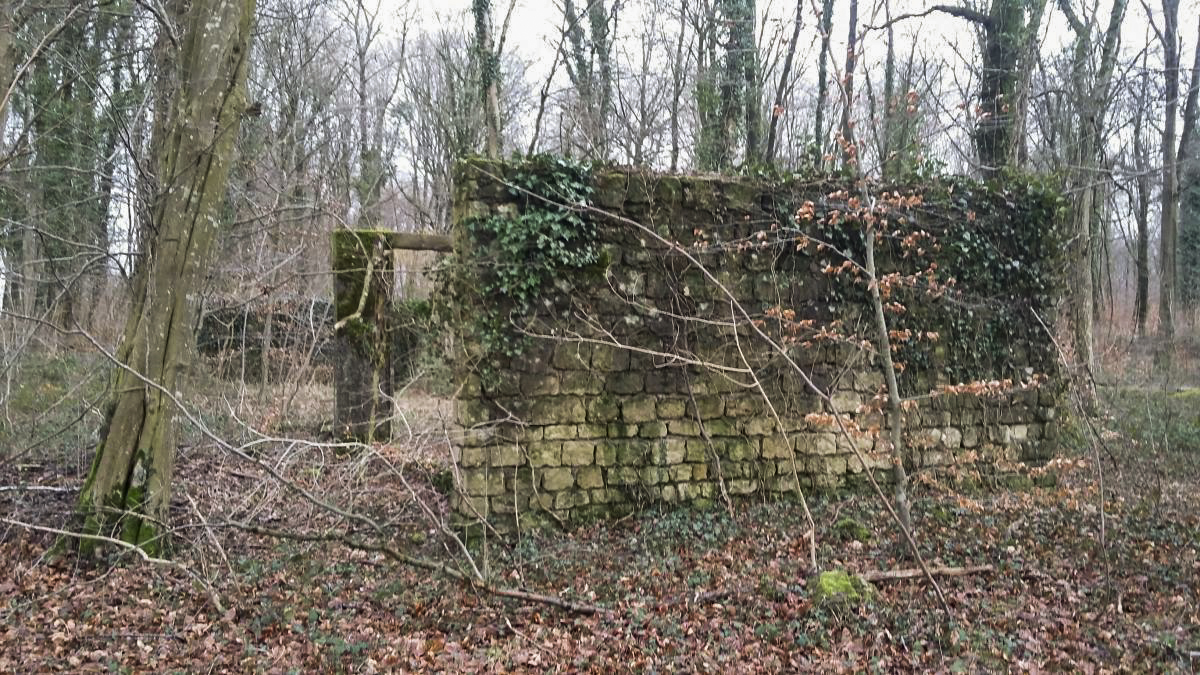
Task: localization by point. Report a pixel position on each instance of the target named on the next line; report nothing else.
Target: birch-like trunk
(127, 492)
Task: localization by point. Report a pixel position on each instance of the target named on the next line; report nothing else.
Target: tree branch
(960, 12)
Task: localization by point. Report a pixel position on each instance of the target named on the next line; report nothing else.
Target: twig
(913, 573)
(36, 488)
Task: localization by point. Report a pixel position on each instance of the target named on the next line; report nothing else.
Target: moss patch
(840, 586)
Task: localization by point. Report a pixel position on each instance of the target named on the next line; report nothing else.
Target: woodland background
(354, 114)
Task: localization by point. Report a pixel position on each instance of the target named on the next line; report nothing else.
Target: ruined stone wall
(639, 380)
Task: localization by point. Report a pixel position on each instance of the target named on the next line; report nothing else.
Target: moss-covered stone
(557, 410)
(589, 477)
(556, 479)
(849, 529)
(545, 453)
(578, 453)
(669, 409)
(838, 586)
(640, 409)
(654, 429)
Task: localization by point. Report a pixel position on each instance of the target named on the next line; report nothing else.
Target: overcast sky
(535, 22)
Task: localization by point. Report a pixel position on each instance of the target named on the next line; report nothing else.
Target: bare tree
(1091, 102)
(1169, 227)
(128, 488)
(489, 73)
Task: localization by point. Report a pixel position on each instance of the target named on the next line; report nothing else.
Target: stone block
(624, 383)
(481, 482)
(633, 452)
(539, 385)
(669, 452)
(622, 475)
(721, 427)
(578, 453)
(638, 409)
(545, 453)
(608, 358)
(473, 438)
(826, 481)
(743, 406)
(569, 499)
(680, 473)
(669, 494)
(970, 437)
(664, 381)
(845, 401)
(683, 428)
(740, 449)
(470, 412)
(652, 430)
(707, 407)
(622, 430)
(610, 190)
(952, 438)
(504, 504)
(589, 477)
(471, 457)
(688, 491)
(759, 426)
(826, 465)
(776, 447)
(671, 408)
(559, 432)
(557, 410)
(557, 479)
(506, 455)
(649, 475)
(742, 486)
(818, 444)
(572, 356)
(471, 507)
(606, 453)
(576, 382)
(592, 431)
(600, 496)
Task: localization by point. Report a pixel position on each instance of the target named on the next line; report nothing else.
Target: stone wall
(641, 380)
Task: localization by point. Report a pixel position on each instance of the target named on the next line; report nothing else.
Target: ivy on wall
(520, 250)
(985, 259)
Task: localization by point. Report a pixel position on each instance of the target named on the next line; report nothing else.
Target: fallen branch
(892, 575)
(36, 488)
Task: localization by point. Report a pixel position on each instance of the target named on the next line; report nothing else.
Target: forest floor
(721, 590)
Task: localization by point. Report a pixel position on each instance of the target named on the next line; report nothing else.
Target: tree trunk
(895, 412)
(127, 491)
(1092, 104)
(489, 64)
(678, 76)
(849, 150)
(1006, 46)
(1168, 232)
(777, 108)
(751, 90)
(819, 135)
(8, 57)
(1188, 187)
(1141, 308)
